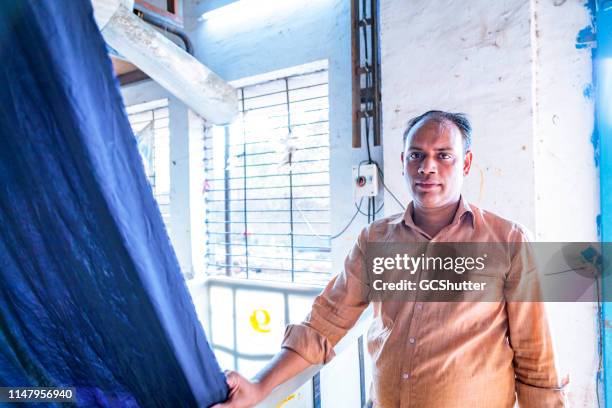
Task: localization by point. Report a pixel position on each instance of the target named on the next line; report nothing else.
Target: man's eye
(445, 156)
(414, 155)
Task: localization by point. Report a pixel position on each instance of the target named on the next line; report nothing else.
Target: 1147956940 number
(37, 394)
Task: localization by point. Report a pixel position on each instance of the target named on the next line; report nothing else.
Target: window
(149, 123)
(267, 184)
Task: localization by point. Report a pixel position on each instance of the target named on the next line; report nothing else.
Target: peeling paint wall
(522, 71)
(563, 123)
(452, 56)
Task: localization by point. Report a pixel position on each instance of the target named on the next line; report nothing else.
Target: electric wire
(350, 221)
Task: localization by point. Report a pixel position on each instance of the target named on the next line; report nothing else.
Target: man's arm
(244, 393)
(333, 314)
(537, 381)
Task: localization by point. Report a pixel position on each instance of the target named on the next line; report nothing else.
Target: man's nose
(428, 165)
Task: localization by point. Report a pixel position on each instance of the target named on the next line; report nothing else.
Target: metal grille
(149, 123)
(267, 184)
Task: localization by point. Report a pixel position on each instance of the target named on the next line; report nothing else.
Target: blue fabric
(91, 295)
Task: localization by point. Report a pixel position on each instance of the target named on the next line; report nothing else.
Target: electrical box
(365, 180)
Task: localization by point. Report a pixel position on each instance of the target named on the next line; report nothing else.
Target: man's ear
(467, 162)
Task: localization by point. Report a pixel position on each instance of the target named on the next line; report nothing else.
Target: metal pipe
(155, 20)
(375, 73)
(355, 75)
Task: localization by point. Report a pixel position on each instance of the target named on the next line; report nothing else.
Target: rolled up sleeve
(308, 343)
(334, 312)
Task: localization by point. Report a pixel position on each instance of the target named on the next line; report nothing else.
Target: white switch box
(365, 180)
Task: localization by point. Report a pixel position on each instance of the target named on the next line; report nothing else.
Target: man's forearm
(285, 365)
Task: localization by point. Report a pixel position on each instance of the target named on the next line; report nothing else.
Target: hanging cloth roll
(91, 295)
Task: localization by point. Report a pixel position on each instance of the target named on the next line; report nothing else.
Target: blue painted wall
(604, 131)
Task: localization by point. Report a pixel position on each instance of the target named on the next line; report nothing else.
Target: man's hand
(243, 393)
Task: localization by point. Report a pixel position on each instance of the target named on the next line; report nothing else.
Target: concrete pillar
(180, 217)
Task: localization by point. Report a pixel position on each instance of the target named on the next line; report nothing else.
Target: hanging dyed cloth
(91, 295)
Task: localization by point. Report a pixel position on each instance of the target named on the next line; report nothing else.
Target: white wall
(514, 68)
(563, 124)
(566, 179)
(452, 56)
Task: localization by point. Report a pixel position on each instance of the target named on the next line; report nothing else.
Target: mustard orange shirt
(439, 354)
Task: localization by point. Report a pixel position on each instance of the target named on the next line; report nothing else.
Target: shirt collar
(464, 210)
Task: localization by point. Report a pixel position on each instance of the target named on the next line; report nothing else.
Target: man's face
(434, 163)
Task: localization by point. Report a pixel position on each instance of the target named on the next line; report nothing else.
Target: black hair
(458, 119)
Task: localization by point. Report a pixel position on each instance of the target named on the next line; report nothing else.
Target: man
(428, 354)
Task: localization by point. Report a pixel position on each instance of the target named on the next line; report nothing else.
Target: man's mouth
(427, 185)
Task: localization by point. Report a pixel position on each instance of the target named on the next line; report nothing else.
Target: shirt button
(412, 340)
(419, 306)
(405, 376)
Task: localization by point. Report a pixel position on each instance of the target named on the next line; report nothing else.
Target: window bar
(235, 329)
(265, 141)
(228, 225)
(316, 390)
(270, 268)
(276, 175)
(297, 161)
(290, 182)
(266, 234)
(264, 211)
(293, 89)
(273, 198)
(153, 150)
(321, 146)
(281, 258)
(244, 171)
(208, 255)
(286, 304)
(361, 371)
(267, 222)
(209, 313)
(317, 248)
(270, 187)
